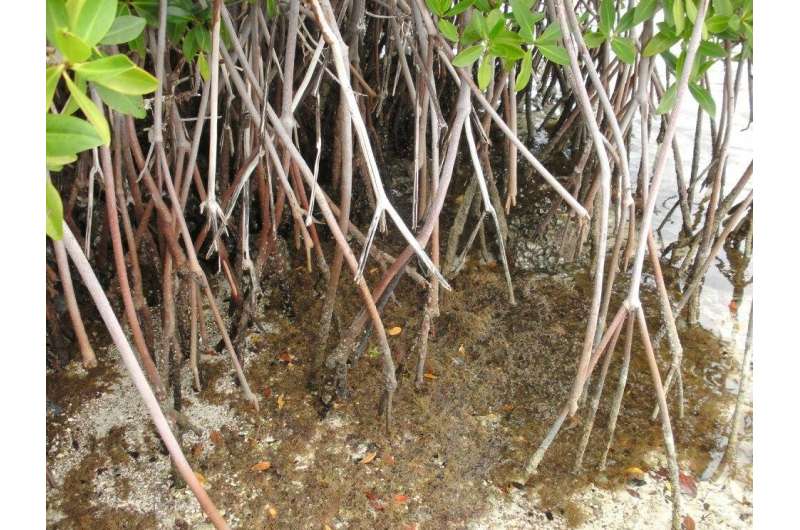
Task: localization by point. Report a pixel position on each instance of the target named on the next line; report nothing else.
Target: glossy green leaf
(91, 19)
(494, 22)
(607, 16)
(678, 16)
(189, 46)
(525, 71)
(466, 57)
(118, 73)
(667, 100)
(717, 23)
(439, 7)
(485, 71)
(691, 10)
(624, 49)
(202, 65)
(448, 29)
(57, 163)
(711, 49)
(459, 8)
(521, 11)
(124, 29)
(272, 8)
(594, 39)
(71, 107)
(72, 47)
(90, 110)
(55, 212)
(644, 11)
(510, 52)
(51, 76)
(550, 35)
(123, 103)
(704, 99)
(723, 7)
(56, 14)
(626, 22)
(659, 43)
(68, 135)
(554, 53)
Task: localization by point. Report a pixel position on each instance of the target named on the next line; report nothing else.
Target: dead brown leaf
(273, 513)
(201, 479)
(396, 330)
(197, 450)
(634, 473)
(216, 438)
(281, 401)
(430, 375)
(688, 523)
(400, 498)
(688, 485)
(369, 457)
(267, 392)
(286, 357)
(261, 466)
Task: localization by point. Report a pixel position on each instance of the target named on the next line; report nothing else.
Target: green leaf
(691, 10)
(118, 73)
(485, 71)
(466, 57)
(272, 8)
(124, 29)
(448, 29)
(667, 100)
(459, 8)
(56, 163)
(71, 106)
(55, 212)
(202, 38)
(717, 23)
(644, 11)
(510, 52)
(723, 7)
(495, 21)
(554, 53)
(550, 35)
(711, 49)
(626, 22)
(72, 47)
(53, 72)
(90, 110)
(525, 71)
(202, 65)
(624, 49)
(437, 7)
(704, 99)
(189, 46)
(521, 11)
(659, 43)
(68, 135)
(594, 39)
(678, 16)
(607, 16)
(91, 19)
(734, 22)
(56, 19)
(130, 105)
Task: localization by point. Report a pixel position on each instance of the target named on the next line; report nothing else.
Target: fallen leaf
(286, 357)
(261, 466)
(216, 438)
(400, 498)
(633, 493)
(688, 523)
(688, 485)
(634, 473)
(376, 506)
(267, 392)
(733, 305)
(371, 495)
(272, 511)
(461, 350)
(201, 479)
(396, 330)
(281, 401)
(326, 527)
(508, 407)
(197, 449)
(369, 457)
(430, 375)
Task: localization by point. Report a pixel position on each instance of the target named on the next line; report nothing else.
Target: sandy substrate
(445, 465)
